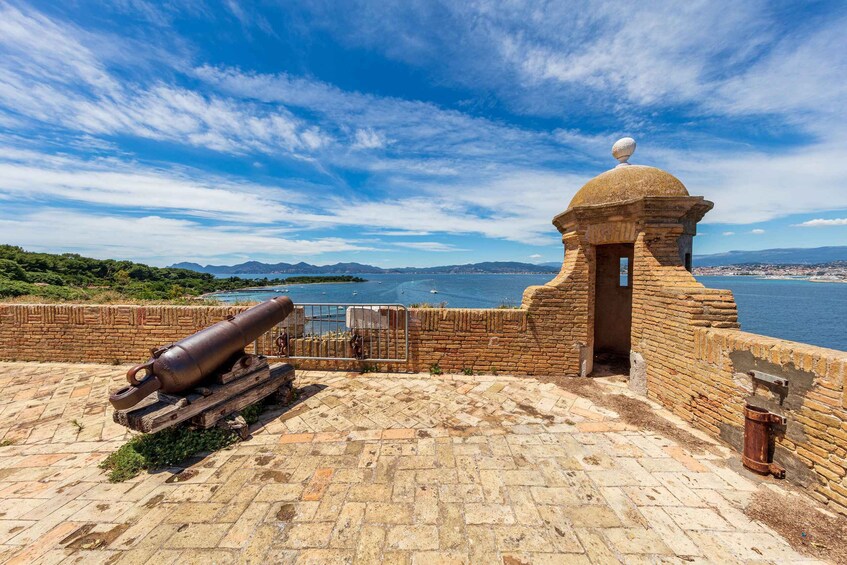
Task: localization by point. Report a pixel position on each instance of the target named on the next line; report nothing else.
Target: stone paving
(367, 469)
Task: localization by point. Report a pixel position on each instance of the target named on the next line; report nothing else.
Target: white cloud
(728, 233)
(368, 139)
(489, 208)
(434, 246)
(519, 206)
(120, 184)
(559, 57)
(757, 231)
(49, 74)
(755, 186)
(420, 138)
(821, 222)
(535, 256)
(157, 240)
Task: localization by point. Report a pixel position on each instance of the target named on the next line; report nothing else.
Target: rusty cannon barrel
(186, 363)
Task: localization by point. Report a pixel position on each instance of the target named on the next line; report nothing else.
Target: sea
(796, 310)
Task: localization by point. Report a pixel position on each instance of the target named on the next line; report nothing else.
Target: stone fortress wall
(694, 367)
(685, 348)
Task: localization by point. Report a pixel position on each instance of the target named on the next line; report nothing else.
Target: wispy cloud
(728, 233)
(757, 231)
(297, 154)
(821, 222)
(50, 75)
(158, 240)
(434, 246)
(114, 183)
(369, 139)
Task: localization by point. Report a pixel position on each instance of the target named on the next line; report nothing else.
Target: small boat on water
(433, 291)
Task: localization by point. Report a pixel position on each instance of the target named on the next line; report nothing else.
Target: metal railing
(340, 332)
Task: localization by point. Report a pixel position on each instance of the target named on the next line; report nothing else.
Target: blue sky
(409, 133)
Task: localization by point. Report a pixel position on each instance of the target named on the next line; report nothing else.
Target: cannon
(185, 364)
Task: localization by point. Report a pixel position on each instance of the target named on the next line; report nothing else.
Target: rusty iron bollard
(757, 435)
(282, 344)
(357, 345)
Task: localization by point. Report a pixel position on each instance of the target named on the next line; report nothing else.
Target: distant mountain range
(795, 256)
(791, 256)
(258, 268)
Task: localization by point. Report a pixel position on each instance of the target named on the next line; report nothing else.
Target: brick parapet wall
(813, 444)
(483, 340)
(98, 333)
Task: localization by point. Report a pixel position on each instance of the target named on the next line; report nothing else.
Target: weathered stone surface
(513, 487)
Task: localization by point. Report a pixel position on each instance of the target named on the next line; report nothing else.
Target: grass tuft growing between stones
(163, 449)
(170, 447)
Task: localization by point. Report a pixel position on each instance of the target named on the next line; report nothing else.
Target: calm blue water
(458, 291)
(802, 311)
(814, 313)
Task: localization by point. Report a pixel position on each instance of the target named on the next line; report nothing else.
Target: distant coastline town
(835, 271)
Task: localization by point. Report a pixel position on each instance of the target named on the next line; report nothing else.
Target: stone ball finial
(623, 149)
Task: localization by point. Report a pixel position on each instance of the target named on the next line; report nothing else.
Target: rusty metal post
(757, 436)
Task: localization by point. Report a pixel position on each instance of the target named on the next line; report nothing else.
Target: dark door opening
(613, 305)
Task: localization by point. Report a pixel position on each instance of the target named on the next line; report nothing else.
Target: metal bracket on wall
(768, 378)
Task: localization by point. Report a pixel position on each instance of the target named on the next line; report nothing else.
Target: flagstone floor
(368, 469)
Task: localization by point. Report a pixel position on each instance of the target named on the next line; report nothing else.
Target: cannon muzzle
(184, 364)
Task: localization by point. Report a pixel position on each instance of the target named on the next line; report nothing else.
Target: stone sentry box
(646, 217)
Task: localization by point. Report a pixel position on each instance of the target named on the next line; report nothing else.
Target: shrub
(435, 369)
(48, 278)
(11, 270)
(9, 287)
(428, 305)
(171, 447)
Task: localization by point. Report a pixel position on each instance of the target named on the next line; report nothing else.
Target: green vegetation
(251, 413)
(467, 371)
(163, 449)
(71, 277)
(435, 369)
(170, 447)
(428, 305)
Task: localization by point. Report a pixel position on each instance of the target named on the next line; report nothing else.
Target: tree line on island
(70, 276)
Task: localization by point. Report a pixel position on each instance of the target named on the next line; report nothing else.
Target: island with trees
(26, 275)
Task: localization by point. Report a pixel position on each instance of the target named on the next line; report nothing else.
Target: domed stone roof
(627, 182)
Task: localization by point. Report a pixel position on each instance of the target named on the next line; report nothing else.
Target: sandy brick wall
(697, 362)
(812, 446)
(97, 333)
